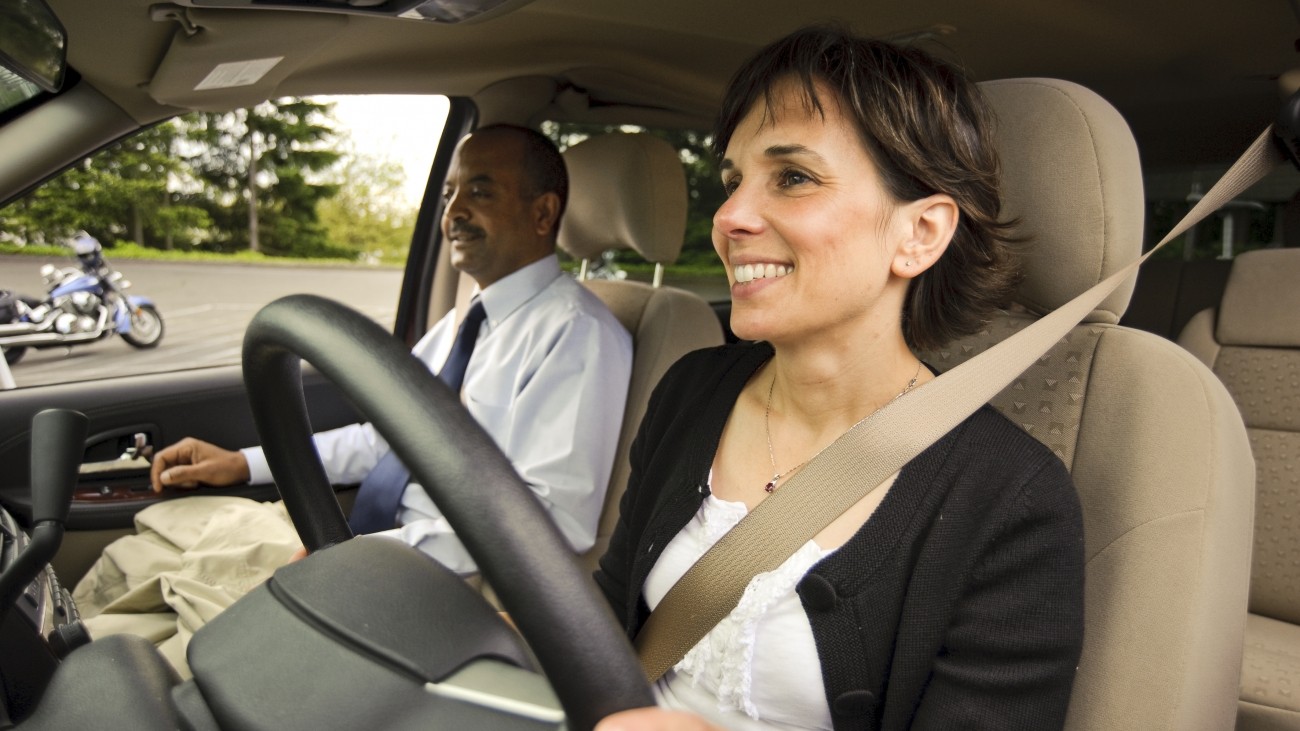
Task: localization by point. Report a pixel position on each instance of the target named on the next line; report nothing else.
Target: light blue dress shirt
(548, 381)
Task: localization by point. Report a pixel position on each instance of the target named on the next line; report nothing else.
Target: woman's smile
(746, 273)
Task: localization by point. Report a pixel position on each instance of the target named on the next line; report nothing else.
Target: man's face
(491, 219)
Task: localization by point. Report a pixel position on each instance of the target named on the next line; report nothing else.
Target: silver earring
(909, 263)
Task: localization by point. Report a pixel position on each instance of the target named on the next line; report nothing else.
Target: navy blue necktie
(381, 492)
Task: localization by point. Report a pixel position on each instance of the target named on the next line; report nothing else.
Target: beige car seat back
(628, 191)
(1252, 342)
(1155, 446)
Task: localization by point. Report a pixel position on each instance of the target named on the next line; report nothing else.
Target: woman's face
(807, 232)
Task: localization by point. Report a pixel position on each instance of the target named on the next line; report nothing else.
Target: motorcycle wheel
(14, 354)
(146, 328)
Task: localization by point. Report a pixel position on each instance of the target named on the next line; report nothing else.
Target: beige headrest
(1070, 172)
(626, 191)
(1261, 303)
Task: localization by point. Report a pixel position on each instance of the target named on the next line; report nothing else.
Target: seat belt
(872, 452)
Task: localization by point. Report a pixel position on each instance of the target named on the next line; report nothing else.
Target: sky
(403, 128)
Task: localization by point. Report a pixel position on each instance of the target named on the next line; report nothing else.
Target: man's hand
(190, 462)
(654, 719)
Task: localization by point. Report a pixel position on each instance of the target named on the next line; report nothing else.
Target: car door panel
(210, 404)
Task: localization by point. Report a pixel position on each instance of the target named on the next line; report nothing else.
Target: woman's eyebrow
(789, 150)
(777, 151)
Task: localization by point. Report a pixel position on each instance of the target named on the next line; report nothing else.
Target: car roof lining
(1193, 84)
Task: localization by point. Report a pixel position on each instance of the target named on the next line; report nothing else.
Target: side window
(1190, 274)
(697, 268)
(162, 223)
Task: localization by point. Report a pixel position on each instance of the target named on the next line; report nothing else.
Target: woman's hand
(655, 719)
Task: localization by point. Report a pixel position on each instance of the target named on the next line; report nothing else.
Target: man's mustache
(465, 230)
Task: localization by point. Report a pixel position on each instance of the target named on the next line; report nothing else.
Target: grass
(133, 251)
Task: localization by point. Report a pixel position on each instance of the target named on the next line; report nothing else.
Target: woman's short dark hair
(543, 164)
(928, 130)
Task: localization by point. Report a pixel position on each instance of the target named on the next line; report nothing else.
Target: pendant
(770, 486)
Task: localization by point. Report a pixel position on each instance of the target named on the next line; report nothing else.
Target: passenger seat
(628, 191)
(1252, 343)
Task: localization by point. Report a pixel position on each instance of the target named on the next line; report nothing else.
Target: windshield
(15, 90)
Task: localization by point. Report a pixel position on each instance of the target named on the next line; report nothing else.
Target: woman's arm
(615, 568)
(1010, 654)
(616, 564)
(654, 719)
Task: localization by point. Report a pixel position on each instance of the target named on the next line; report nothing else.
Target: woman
(861, 223)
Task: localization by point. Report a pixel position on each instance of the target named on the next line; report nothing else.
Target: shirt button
(817, 593)
(854, 703)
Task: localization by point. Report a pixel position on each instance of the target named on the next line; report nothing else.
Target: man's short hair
(544, 169)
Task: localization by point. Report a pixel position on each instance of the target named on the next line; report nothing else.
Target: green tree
(263, 165)
(138, 175)
(368, 214)
(125, 191)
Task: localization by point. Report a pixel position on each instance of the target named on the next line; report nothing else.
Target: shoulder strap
(869, 455)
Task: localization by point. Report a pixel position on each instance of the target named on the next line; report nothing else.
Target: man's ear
(546, 213)
(928, 228)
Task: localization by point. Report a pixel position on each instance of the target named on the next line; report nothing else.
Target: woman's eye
(730, 184)
(790, 178)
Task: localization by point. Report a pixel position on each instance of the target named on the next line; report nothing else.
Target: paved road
(205, 309)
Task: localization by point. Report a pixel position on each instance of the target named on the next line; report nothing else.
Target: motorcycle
(83, 304)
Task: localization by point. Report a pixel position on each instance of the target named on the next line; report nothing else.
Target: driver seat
(1154, 443)
(628, 191)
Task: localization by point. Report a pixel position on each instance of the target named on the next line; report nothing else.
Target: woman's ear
(929, 224)
(546, 212)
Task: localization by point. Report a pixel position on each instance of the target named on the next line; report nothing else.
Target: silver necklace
(767, 427)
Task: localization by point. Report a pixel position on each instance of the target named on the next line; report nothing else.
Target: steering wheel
(553, 602)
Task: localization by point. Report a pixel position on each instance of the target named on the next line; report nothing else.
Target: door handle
(135, 457)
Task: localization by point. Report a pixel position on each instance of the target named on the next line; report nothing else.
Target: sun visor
(223, 61)
(514, 100)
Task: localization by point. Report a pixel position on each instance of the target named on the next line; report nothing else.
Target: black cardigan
(958, 605)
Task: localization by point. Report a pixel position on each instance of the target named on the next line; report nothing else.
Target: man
(546, 377)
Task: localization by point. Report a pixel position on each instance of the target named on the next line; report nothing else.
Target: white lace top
(758, 668)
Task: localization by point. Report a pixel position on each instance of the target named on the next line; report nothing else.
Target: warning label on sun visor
(237, 73)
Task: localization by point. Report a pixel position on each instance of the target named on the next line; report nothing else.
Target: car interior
(1173, 403)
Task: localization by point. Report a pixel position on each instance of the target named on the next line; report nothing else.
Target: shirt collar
(504, 296)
